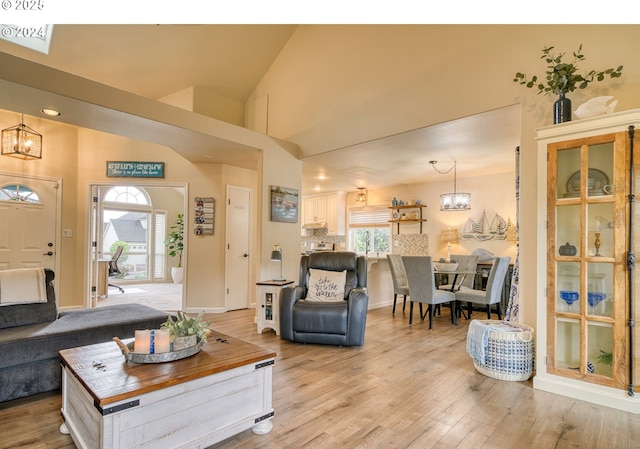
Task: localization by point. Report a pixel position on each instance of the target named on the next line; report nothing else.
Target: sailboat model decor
(484, 230)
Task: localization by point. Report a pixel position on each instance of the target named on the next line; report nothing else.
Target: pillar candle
(162, 341)
(142, 341)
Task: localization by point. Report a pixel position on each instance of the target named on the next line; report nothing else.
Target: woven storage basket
(509, 354)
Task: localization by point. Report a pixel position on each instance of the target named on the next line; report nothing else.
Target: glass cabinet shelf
(585, 251)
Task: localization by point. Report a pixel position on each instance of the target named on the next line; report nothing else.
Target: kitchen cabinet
(315, 209)
(329, 209)
(583, 330)
(407, 214)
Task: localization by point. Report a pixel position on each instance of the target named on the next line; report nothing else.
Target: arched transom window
(127, 195)
(18, 192)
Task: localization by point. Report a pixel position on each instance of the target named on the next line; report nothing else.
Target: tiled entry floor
(164, 296)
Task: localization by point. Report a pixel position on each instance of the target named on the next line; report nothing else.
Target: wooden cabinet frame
(618, 320)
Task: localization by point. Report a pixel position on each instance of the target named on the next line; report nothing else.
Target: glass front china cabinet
(586, 346)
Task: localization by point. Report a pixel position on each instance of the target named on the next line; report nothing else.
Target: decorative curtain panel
(513, 307)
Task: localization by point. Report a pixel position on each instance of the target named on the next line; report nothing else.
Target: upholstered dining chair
(399, 278)
(422, 287)
(466, 263)
(493, 292)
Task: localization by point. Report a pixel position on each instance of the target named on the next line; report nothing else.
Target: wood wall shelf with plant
(401, 217)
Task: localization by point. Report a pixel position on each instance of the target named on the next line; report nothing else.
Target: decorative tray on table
(136, 357)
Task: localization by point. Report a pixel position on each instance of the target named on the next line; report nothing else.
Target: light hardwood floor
(407, 387)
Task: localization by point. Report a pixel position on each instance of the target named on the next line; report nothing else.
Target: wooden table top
(103, 371)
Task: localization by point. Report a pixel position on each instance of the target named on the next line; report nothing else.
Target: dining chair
(493, 292)
(399, 277)
(422, 287)
(466, 263)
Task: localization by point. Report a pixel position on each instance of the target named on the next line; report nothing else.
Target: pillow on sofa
(326, 286)
(14, 315)
(22, 286)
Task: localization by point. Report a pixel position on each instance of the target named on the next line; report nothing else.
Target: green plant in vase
(174, 241)
(186, 327)
(563, 77)
(175, 245)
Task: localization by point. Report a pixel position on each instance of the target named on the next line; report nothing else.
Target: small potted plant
(174, 244)
(185, 331)
(563, 77)
(606, 358)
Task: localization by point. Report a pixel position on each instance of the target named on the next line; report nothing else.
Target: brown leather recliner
(333, 323)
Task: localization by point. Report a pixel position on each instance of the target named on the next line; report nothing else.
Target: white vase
(177, 274)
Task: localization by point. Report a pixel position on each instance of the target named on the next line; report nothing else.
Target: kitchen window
(369, 231)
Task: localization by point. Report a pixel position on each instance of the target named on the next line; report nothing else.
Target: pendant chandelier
(21, 142)
(361, 197)
(455, 200)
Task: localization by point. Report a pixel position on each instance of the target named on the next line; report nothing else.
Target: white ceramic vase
(177, 274)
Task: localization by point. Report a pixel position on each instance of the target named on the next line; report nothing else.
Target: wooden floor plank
(407, 387)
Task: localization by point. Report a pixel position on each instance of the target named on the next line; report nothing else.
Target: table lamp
(450, 236)
(276, 256)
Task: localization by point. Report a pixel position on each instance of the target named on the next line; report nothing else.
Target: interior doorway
(135, 217)
(238, 257)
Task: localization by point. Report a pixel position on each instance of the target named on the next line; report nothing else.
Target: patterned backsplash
(320, 236)
(403, 244)
(410, 244)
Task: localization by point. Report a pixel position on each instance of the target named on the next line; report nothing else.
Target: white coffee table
(195, 402)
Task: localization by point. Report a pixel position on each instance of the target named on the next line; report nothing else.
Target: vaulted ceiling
(153, 61)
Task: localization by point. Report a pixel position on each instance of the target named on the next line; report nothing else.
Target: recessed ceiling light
(51, 112)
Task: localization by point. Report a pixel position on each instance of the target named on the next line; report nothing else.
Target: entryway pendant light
(455, 200)
(21, 142)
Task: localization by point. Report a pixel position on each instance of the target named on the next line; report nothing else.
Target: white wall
(491, 194)
(59, 161)
(280, 168)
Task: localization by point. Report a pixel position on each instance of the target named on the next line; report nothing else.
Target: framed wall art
(204, 215)
(284, 204)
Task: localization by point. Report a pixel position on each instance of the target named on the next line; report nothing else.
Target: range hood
(318, 225)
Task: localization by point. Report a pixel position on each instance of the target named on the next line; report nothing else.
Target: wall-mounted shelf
(399, 220)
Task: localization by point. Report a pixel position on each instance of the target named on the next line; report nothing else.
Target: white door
(238, 256)
(29, 220)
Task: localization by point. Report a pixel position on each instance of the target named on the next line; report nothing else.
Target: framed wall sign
(284, 204)
(132, 169)
(204, 215)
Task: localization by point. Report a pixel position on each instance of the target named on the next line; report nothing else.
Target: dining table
(457, 309)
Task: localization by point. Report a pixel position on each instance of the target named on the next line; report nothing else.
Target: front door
(238, 244)
(29, 220)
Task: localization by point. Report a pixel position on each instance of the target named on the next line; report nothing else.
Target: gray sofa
(32, 334)
(340, 323)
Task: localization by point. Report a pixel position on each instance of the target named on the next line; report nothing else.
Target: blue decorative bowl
(569, 296)
(595, 298)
